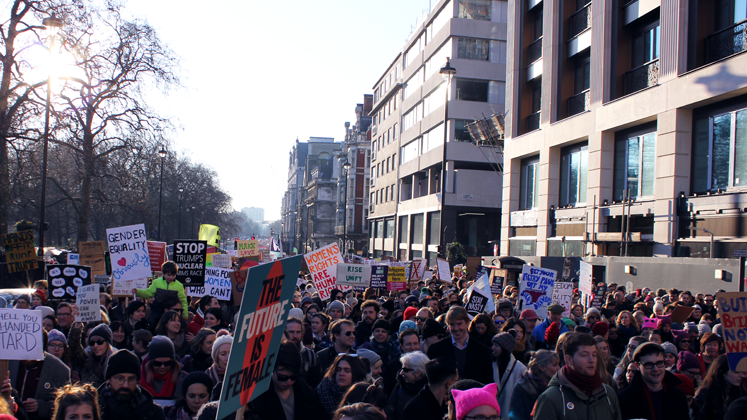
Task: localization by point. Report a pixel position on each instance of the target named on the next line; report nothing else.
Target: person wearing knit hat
(196, 389)
(335, 310)
(123, 361)
(507, 371)
(681, 340)
(121, 397)
(601, 329)
(432, 328)
(703, 328)
(38, 298)
(161, 372)
(103, 331)
(57, 344)
(406, 325)
(476, 402)
(307, 300)
(90, 362)
(411, 301)
(375, 363)
(296, 313)
(380, 342)
(387, 308)
(689, 364)
(670, 354)
(569, 324)
(592, 316)
(410, 313)
(221, 353)
(503, 342)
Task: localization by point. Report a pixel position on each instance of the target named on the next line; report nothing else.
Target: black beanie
(123, 361)
(103, 331)
(388, 305)
(381, 323)
(160, 347)
(197, 377)
(432, 328)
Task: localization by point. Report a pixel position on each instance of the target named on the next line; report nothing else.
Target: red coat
(196, 325)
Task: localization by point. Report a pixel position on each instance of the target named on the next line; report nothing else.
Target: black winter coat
(268, 406)
(479, 365)
(423, 406)
(634, 405)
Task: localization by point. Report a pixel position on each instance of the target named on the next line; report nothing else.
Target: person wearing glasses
(57, 347)
(65, 317)
(162, 374)
(653, 393)
(120, 397)
(410, 380)
(343, 341)
(628, 355)
(91, 361)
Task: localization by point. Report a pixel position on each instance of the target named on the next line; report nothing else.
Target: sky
(257, 77)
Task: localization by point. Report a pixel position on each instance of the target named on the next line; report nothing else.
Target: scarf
(378, 348)
(330, 394)
(167, 390)
(216, 373)
(587, 384)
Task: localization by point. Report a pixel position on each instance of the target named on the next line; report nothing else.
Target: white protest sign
(89, 306)
(222, 260)
(21, 334)
(418, 269)
(73, 259)
(427, 274)
(536, 289)
(479, 296)
(124, 287)
(128, 250)
(562, 294)
(322, 265)
(584, 278)
(217, 284)
(444, 271)
(354, 275)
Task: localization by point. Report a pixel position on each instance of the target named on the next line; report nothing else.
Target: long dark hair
(115, 325)
(356, 368)
(165, 318)
(492, 329)
(720, 392)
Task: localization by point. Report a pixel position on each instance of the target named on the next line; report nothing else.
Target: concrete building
(254, 213)
(353, 185)
(411, 146)
(626, 129)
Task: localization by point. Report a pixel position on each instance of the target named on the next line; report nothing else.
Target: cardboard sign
(444, 271)
(562, 294)
(101, 279)
(585, 278)
(73, 259)
(354, 275)
(418, 269)
(157, 253)
(259, 331)
(217, 284)
(322, 265)
(89, 306)
(19, 251)
(497, 280)
(191, 257)
(21, 334)
(536, 289)
(458, 270)
(238, 283)
(396, 279)
(427, 275)
(681, 313)
(248, 248)
(222, 260)
(378, 277)
(128, 251)
(124, 287)
(93, 254)
(64, 280)
(732, 308)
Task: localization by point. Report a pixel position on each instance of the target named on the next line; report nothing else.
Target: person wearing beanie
(601, 329)
(374, 362)
(335, 310)
(387, 308)
(592, 316)
(296, 313)
(670, 355)
(476, 402)
(195, 392)
(507, 370)
(433, 331)
(664, 325)
(221, 352)
(411, 301)
(38, 298)
(120, 397)
(161, 373)
(305, 302)
(380, 342)
(704, 328)
(406, 325)
(689, 365)
(91, 361)
(554, 315)
(681, 340)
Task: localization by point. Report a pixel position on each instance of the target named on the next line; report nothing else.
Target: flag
(274, 247)
(211, 234)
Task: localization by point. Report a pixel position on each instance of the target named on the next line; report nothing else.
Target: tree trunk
(85, 190)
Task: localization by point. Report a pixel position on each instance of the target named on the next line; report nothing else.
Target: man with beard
(120, 397)
(311, 369)
(410, 380)
(369, 314)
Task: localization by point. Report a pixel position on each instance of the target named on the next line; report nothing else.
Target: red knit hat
(409, 313)
(40, 293)
(600, 328)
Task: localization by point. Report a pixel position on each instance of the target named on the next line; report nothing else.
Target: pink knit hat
(649, 323)
(466, 401)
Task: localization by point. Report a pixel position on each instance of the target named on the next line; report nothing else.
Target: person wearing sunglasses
(90, 362)
(653, 392)
(161, 372)
(343, 341)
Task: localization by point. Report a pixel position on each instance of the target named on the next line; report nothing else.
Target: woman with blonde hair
(627, 326)
(77, 402)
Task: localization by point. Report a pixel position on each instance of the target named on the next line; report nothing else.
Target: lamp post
(308, 209)
(53, 24)
(346, 167)
(179, 229)
(191, 229)
(447, 72)
(162, 154)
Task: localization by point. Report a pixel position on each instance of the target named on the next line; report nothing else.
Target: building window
(433, 138)
(394, 132)
(635, 159)
(391, 193)
(417, 228)
(434, 227)
(472, 90)
(389, 229)
(403, 230)
(573, 173)
(410, 151)
(474, 9)
(720, 151)
(529, 184)
(413, 84)
(461, 132)
(437, 60)
(473, 49)
(646, 45)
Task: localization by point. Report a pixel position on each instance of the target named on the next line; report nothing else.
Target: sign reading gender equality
(322, 265)
(732, 308)
(259, 331)
(536, 288)
(21, 334)
(128, 251)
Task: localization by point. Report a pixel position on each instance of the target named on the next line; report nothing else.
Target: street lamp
(53, 24)
(710, 249)
(346, 167)
(447, 72)
(193, 224)
(162, 153)
(308, 209)
(179, 229)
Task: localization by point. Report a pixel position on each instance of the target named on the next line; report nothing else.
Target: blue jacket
(539, 332)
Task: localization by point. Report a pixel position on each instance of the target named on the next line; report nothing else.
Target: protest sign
(238, 282)
(233, 253)
(444, 271)
(562, 294)
(418, 269)
(598, 300)
(128, 251)
(19, 251)
(681, 313)
(584, 278)
(209, 234)
(536, 289)
(101, 279)
(190, 256)
(73, 259)
(21, 334)
(93, 254)
(732, 309)
(476, 302)
(259, 331)
(497, 280)
(481, 287)
(378, 277)
(64, 280)
(89, 305)
(248, 248)
(396, 279)
(427, 275)
(157, 254)
(322, 265)
(222, 260)
(458, 270)
(354, 275)
(170, 252)
(124, 287)
(217, 284)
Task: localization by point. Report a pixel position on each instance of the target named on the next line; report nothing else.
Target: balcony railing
(533, 121)
(726, 42)
(580, 21)
(534, 51)
(641, 77)
(579, 103)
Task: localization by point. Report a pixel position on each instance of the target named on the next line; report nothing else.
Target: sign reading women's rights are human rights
(128, 250)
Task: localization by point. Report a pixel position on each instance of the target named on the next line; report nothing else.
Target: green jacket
(563, 401)
(160, 283)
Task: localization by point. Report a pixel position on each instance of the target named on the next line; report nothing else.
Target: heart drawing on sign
(122, 262)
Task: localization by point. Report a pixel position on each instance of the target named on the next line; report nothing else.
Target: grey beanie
(370, 355)
(336, 305)
(506, 341)
(103, 331)
(671, 349)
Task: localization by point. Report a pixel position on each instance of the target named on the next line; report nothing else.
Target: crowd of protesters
(410, 355)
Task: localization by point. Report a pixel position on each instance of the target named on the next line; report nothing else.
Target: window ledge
(689, 72)
(611, 101)
(588, 111)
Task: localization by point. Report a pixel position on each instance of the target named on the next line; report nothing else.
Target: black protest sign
(190, 256)
(476, 303)
(598, 300)
(64, 280)
(378, 277)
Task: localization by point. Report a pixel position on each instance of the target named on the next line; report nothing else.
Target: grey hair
(416, 360)
(542, 358)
